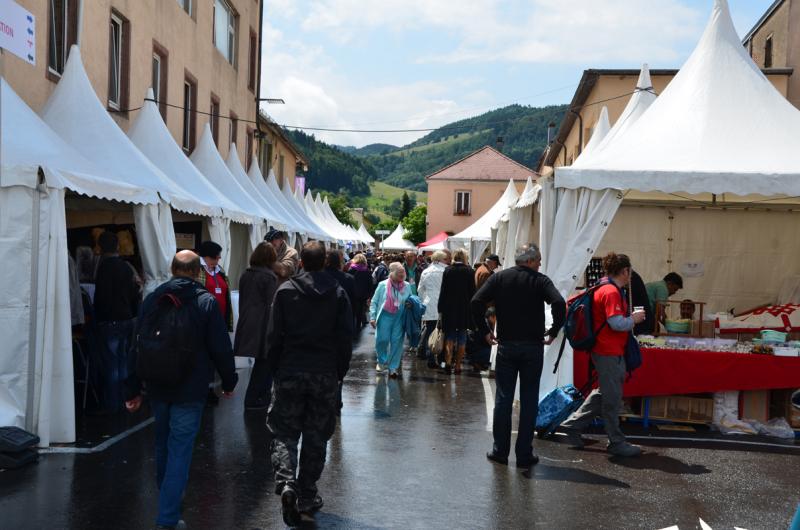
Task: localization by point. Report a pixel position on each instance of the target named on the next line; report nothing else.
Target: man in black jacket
(310, 344)
(178, 408)
(519, 295)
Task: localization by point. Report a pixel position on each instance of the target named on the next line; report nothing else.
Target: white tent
(311, 209)
(515, 229)
(352, 234)
(365, 236)
(719, 127)
(275, 198)
(150, 135)
(395, 240)
(478, 235)
(288, 195)
(37, 168)
(238, 172)
(341, 232)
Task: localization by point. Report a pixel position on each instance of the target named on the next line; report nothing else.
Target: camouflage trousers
(303, 404)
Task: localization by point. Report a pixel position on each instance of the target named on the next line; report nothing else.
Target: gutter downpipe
(258, 81)
(80, 23)
(580, 130)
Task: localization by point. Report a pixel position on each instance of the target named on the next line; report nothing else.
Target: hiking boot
(307, 506)
(574, 438)
(624, 449)
(497, 459)
(291, 516)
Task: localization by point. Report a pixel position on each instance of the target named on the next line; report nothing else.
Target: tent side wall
(36, 352)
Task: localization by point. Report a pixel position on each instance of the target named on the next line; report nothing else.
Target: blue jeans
(177, 425)
(114, 341)
(523, 359)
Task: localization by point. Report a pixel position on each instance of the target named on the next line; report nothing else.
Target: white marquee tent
(395, 240)
(365, 236)
(275, 197)
(720, 127)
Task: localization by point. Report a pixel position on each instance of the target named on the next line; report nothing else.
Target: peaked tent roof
(276, 198)
(599, 133)
(236, 169)
(481, 230)
(395, 240)
(367, 238)
(28, 144)
(529, 195)
(308, 204)
(719, 127)
(487, 163)
(208, 160)
(439, 238)
(75, 113)
(301, 211)
(353, 235)
(149, 133)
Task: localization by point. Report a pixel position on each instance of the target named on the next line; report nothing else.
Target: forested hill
(332, 169)
(523, 128)
(348, 169)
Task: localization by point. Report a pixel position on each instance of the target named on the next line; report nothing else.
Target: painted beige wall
(778, 26)
(188, 41)
(442, 197)
(609, 86)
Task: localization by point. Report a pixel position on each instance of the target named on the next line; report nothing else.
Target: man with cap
(486, 269)
(519, 294)
(286, 265)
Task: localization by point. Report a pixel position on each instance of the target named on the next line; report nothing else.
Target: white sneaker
(378, 368)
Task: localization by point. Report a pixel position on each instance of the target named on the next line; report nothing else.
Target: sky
(417, 64)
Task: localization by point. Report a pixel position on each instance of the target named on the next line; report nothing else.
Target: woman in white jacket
(430, 284)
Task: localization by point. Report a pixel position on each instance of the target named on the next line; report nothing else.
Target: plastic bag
(776, 427)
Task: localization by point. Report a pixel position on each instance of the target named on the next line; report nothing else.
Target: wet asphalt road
(408, 454)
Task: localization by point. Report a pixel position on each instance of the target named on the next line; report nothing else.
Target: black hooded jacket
(311, 327)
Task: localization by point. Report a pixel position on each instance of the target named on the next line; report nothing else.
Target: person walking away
(216, 282)
(257, 287)
(362, 289)
(116, 304)
(412, 269)
(287, 261)
(486, 269)
(458, 287)
(173, 364)
(310, 345)
(608, 358)
(333, 266)
(519, 295)
(387, 316)
(381, 271)
(430, 285)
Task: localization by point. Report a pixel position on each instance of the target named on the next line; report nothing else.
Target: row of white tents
(703, 179)
(74, 152)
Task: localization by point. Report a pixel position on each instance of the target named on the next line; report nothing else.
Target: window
(253, 62)
(234, 125)
(463, 202)
(189, 113)
(225, 30)
(118, 52)
(214, 119)
(186, 5)
(265, 155)
(248, 154)
(63, 33)
(768, 52)
(159, 83)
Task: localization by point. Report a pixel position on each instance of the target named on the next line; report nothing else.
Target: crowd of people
(299, 363)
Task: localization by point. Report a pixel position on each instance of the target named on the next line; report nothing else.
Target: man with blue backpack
(609, 324)
(519, 294)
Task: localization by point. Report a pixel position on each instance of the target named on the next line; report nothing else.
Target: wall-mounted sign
(300, 182)
(185, 241)
(17, 31)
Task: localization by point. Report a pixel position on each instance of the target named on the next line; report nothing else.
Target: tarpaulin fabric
(219, 231)
(235, 168)
(156, 238)
(667, 372)
(275, 198)
(784, 317)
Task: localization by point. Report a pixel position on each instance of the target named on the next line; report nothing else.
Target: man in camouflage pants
(310, 345)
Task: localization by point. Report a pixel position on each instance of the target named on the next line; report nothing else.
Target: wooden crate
(687, 409)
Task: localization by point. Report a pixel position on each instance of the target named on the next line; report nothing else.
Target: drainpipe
(80, 23)
(259, 132)
(580, 130)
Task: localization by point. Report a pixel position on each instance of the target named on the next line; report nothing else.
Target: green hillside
(384, 199)
(523, 128)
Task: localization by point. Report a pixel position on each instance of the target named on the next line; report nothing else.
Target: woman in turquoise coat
(387, 316)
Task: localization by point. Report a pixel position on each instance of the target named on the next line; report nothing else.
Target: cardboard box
(754, 405)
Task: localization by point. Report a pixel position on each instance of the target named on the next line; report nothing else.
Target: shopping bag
(436, 340)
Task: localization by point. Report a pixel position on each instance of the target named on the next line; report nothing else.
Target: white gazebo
(395, 241)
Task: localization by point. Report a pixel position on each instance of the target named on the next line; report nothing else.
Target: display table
(668, 372)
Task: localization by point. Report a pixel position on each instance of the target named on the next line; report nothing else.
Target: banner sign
(17, 31)
(300, 182)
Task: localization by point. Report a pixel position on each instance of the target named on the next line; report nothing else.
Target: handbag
(633, 355)
(436, 339)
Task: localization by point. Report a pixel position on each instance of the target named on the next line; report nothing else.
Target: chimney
(550, 130)
(500, 143)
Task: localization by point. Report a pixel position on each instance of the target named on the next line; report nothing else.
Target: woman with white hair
(386, 315)
(430, 285)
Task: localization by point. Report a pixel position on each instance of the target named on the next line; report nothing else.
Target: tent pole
(34, 305)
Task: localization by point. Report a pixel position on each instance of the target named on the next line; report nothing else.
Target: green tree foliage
(331, 169)
(415, 224)
(405, 205)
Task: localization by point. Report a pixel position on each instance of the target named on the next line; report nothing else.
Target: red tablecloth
(667, 372)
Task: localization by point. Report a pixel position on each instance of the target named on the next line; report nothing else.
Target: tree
(338, 204)
(415, 224)
(405, 205)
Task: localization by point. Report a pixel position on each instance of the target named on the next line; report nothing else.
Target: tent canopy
(366, 237)
(28, 144)
(395, 240)
(439, 238)
(701, 133)
(76, 114)
(238, 172)
(275, 197)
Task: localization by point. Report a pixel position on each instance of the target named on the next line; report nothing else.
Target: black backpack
(165, 342)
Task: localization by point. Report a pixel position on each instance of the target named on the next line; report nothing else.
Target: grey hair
(527, 253)
(439, 255)
(396, 266)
